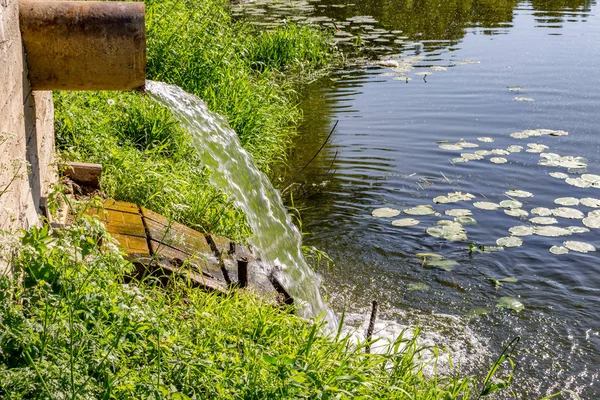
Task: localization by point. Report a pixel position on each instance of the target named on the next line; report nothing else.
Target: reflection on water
(397, 109)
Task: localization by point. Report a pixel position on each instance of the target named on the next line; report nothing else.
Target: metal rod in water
(371, 326)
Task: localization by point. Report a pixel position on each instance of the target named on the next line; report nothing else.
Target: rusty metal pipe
(84, 45)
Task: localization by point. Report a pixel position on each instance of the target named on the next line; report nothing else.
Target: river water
(433, 73)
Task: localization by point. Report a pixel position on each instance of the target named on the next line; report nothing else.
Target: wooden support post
(242, 273)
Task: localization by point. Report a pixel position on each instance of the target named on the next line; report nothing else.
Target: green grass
(250, 77)
(72, 326)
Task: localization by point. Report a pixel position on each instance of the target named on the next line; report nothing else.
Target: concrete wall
(26, 131)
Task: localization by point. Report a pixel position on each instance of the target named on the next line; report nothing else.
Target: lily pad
(512, 204)
(543, 220)
(551, 231)
(559, 175)
(467, 145)
(471, 156)
(591, 178)
(498, 160)
(459, 160)
(510, 303)
(567, 212)
(385, 212)
(515, 89)
(592, 222)
(581, 247)
(559, 250)
(536, 148)
(578, 229)
(510, 241)
(483, 153)
(450, 147)
(465, 220)
(522, 230)
(590, 202)
(405, 222)
(453, 197)
(537, 132)
(446, 265)
(527, 99)
(518, 193)
(578, 182)
(514, 149)
(517, 212)
(420, 210)
(500, 152)
(567, 201)
(486, 205)
(429, 255)
(542, 211)
(485, 139)
(449, 230)
(418, 286)
(458, 212)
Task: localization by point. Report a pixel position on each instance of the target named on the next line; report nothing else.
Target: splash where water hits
(275, 238)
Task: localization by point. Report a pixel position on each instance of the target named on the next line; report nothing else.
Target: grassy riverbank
(250, 77)
(71, 326)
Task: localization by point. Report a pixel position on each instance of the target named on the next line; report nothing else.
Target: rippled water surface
(435, 71)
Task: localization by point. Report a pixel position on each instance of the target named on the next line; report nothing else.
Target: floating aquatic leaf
(578, 182)
(420, 210)
(446, 265)
(522, 230)
(429, 255)
(486, 205)
(518, 193)
(542, 211)
(458, 212)
(509, 241)
(459, 160)
(483, 153)
(509, 279)
(559, 250)
(518, 98)
(498, 282)
(536, 148)
(487, 249)
(551, 231)
(449, 230)
(450, 147)
(477, 312)
(500, 152)
(515, 89)
(590, 202)
(556, 160)
(578, 229)
(467, 145)
(543, 220)
(465, 220)
(453, 198)
(566, 212)
(517, 212)
(595, 213)
(385, 212)
(511, 303)
(418, 286)
(511, 204)
(592, 222)
(471, 156)
(581, 247)
(591, 178)
(405, 222)
(498, 160)
(422, 73)
(559, 175)
(514, 149)
(438, 68)
(537, 132)
(567, 201)
(485, 139)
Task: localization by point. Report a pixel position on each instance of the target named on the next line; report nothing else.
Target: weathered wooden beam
(84, 173)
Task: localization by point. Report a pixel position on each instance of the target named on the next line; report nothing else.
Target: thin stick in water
(371, 326)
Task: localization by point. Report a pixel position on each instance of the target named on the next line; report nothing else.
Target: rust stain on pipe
(84, 45)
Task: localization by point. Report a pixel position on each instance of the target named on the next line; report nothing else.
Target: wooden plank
(178, 236)
(84, 173)
(208, 265)
(165, 270)
(122, 206)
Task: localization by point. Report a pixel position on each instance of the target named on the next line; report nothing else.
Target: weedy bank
(72, 325)
(250, 77)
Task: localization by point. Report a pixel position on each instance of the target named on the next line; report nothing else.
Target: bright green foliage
(72, 326)
(250, 77)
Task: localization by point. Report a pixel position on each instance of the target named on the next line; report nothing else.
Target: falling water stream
(275, 238)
